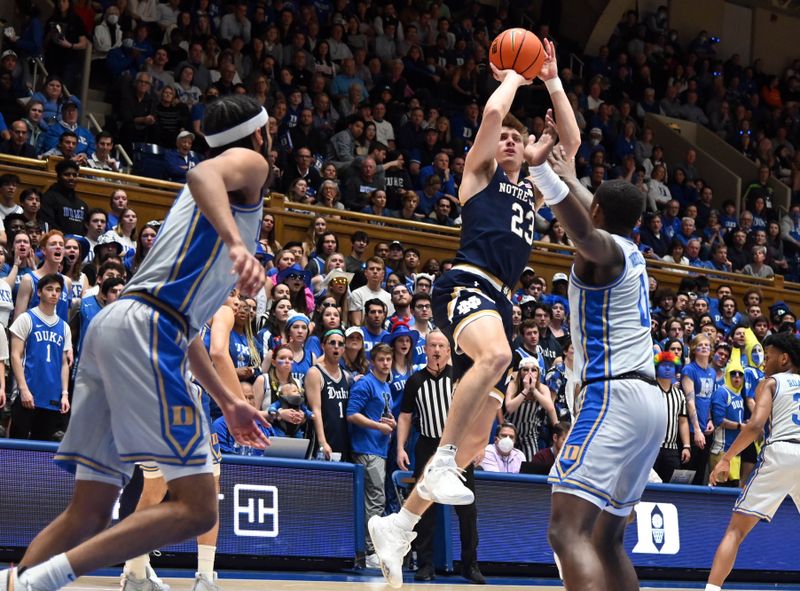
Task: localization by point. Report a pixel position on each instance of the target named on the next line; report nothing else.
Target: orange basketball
(519, 50)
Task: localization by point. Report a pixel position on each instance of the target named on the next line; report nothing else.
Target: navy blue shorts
(458, 298)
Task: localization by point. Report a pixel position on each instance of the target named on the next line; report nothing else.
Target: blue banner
(268, 507)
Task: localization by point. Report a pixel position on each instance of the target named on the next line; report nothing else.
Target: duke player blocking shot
(777, 472)
(602, 469)
(471, 302)
(133, 403)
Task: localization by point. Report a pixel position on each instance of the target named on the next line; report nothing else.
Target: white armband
(554, 85)
(553, 188)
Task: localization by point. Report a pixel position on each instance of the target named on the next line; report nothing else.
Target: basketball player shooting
(471, 301)
(133, 403)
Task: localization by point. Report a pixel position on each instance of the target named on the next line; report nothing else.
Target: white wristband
(553, 189)
(554, 85)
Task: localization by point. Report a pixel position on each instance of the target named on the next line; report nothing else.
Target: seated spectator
(182, 159)
(441, 212)
(758, 267)
(377, 205)
(101, 158)
(595, 179)
(358, 188)
(544, 459)
(342, 146)
(681, 189)
(67, 144)
(760, 188)
(502, 456)
(8, 192)
(68, 122)
(303, 166)
(17, 144)
(227, 443)
(676, 253)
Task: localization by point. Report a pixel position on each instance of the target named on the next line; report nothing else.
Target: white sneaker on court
(158, 584)
(443, 482)
(391, 544)
(372, 561)
(131, 583)
(203, 583)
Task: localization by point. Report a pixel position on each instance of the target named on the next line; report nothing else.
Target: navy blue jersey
(62, 307)
(497, 228)
(44, 349)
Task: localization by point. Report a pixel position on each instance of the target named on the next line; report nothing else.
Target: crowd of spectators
(373, 106)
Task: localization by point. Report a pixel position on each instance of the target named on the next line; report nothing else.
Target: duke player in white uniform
(601, 471)
(132, 403)
(777, 472)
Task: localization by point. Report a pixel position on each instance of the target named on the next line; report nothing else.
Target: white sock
(406, 520)
(710, 587)
(205, 560)
(446, 451)
(137, 567)
(51, 575)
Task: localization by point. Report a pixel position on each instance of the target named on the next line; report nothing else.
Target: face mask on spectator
(505, 445)
(112, 19)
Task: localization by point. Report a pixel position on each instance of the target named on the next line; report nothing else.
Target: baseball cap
(595, 131)
(560, 277)
(8, 53)
(354, 330)
(396, 244)
(528, 270)
(184, 134)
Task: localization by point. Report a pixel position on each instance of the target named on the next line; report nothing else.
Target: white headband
(238, 132)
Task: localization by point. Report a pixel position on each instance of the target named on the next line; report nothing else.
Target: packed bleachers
(373, 107)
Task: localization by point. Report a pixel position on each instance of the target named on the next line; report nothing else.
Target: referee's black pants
(467, 514)
(667, 462)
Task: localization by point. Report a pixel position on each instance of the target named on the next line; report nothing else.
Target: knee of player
(495, 360)
(196, 520)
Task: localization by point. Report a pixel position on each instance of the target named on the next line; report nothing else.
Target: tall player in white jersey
(777, 473)
(601, 471)
(133, 403)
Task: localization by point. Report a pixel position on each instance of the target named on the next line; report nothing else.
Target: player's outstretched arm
(480, 163)
(221, 327)
(242, 419)
(751, 430)
(568, 131)
(593, 244)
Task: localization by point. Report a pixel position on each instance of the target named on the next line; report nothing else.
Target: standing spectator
(373, 323)
(698, 381)
(355, 261)
(529, 405)
(502, 455)
(669, 457)
(727, 413)
(40, 343)
(371, 426)
(236, 24)
(303, 167)
(52, 245)
(8, 191)
(61, 207)
(171, 116)
(342, 146)
(64, 41)
(327, 392)
(374, 273)
(138, 111)
(426, 402)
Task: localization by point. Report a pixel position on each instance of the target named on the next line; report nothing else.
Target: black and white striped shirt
(676, 408)
(428, 396)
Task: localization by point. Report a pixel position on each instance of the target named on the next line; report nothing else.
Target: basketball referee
(670, 458)
(427, 395)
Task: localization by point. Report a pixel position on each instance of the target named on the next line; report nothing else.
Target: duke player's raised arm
(569, 134)
(480, 163)
(593, 244)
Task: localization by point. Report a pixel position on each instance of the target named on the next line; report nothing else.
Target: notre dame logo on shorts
(181, 416)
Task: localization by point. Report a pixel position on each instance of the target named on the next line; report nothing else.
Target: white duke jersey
(784, 422)
(188, 268)
(610, 325)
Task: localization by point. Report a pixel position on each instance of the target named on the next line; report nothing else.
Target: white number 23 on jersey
(522, 222)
